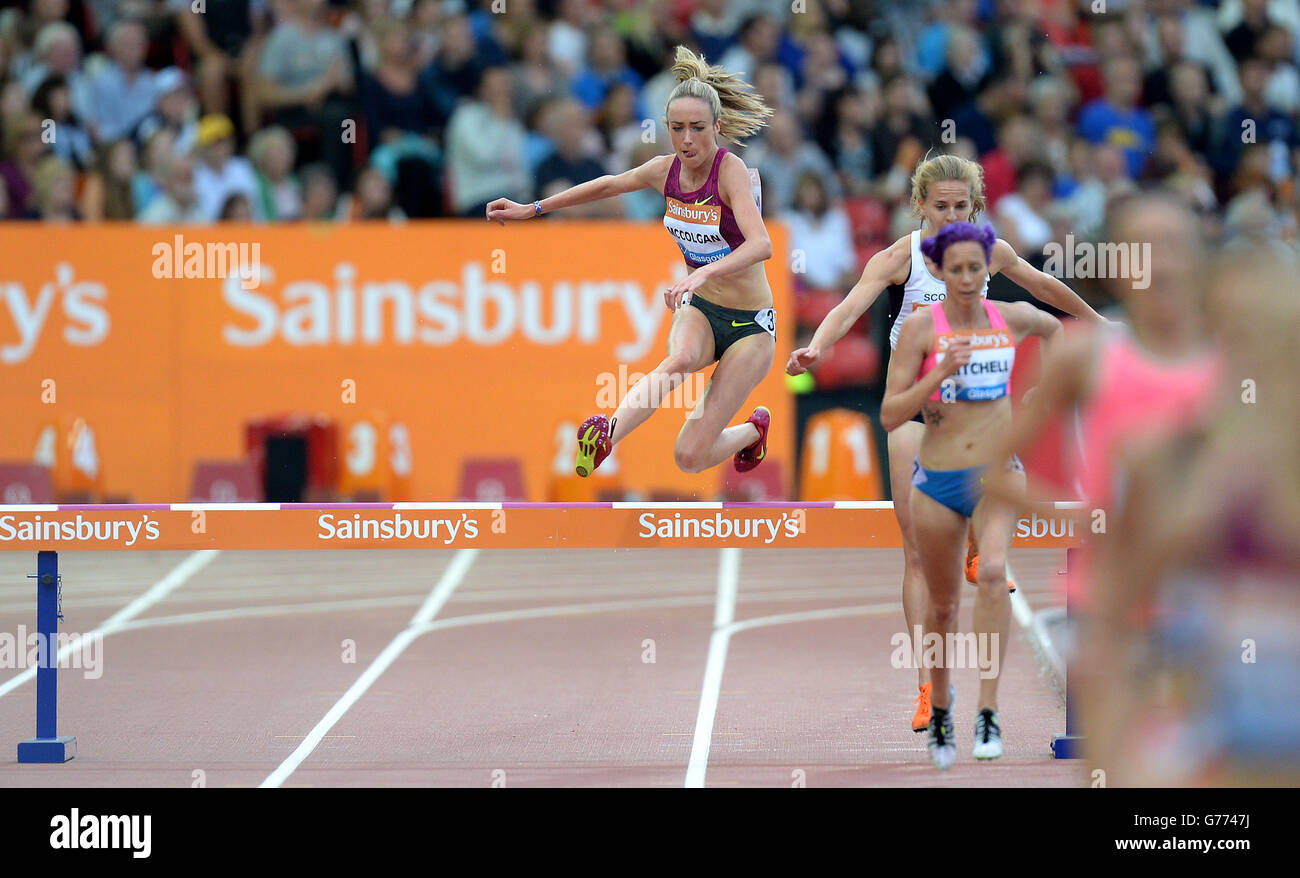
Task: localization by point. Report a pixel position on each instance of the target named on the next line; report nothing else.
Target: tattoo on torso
(931, 414)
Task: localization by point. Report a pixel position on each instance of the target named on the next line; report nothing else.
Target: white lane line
(451, 578)
(159, 590)
(723, 614)
(718, 643)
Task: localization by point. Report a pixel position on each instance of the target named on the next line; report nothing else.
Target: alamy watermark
(68, 649)
(1103, 259)
(677, 391)
(213, 260)
(953, 650)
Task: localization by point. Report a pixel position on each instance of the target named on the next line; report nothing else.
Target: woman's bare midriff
(746, 290)
(960, 435)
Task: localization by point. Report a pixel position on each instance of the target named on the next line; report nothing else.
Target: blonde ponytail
(730, 99)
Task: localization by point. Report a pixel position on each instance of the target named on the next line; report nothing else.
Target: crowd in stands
(196, 111)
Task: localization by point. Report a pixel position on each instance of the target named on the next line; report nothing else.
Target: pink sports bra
(993, 354)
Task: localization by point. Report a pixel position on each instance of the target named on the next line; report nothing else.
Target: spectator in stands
(844, 133)
(373, 199)
(107, 193)
(621, 128)
(272, 152)
(54, 190)
(150, 13)
(123, 93)
(57, 52)
(1156, 84)
(1253, 121)
(178, 203)
(1102, 175)
(1242, 40)
(572, 164)
(305, 78)
(320, 194)
(713, 28)
(1019, 141)
(962, 76)
(1116, 118)
(1251, 220)
(567, 35)
(458, 68)
(904, 122)
(24, 148)
(782, 156)
(176, 110)
(1201, 42)
(1191, 108)
(220, 173)
(237, 209)
(485, 148)
(978, 119)
(536, 78)
(822, 75)
(394, 103)
(756, 44)
(220, 40)
(655, 94)
(509, 31)
(69, 141)
(932, 45)
(1283, 90)
(1052, 99)
(40, 13)
(606, 68)
(821, 240)
(647, 204)
(148, 182)
(1019, 43)
(776, 85)
(1022, 216)
(886, 63)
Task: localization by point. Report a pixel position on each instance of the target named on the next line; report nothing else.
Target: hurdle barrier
(49, 529)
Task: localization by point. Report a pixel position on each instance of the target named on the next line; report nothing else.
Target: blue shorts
(958, 489)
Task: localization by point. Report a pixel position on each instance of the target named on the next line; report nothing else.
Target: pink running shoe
(595, 442)
(752, 455)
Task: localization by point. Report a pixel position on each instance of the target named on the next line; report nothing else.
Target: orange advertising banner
(477, 341)
(484, 525)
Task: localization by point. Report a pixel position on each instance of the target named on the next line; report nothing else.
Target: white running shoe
(942, 747)
(988, 735)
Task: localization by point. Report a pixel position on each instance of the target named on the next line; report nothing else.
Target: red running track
(543, 668)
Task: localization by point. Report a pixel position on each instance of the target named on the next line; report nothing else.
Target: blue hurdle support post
(1069, 745)
(47, 746)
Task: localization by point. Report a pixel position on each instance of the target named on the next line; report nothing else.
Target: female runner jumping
(723, 309)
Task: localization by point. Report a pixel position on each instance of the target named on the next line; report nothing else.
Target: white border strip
(444, 506)
(225, 507)
(621, 504)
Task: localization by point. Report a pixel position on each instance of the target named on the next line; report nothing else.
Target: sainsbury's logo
(81, 303)
(997, 339)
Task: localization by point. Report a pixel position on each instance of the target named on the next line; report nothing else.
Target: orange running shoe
(973, 573)
(921, 719)
(752, 455)
(595, 442)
